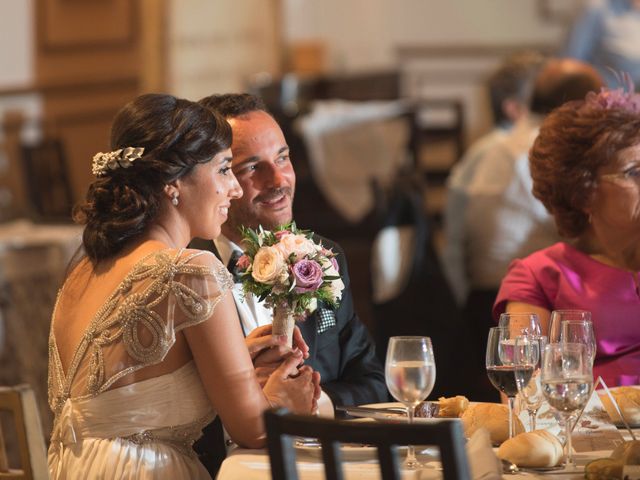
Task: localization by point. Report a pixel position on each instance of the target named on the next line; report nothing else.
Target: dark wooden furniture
(282, 426)
(47, 180)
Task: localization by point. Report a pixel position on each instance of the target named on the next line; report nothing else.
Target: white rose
(268, 265)
(297, 244)
(335, 289)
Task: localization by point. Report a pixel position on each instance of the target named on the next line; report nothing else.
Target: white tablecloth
(254, 465)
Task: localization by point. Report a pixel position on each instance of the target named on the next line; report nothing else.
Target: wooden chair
(47, 177)
(282, 426)
(21, 403)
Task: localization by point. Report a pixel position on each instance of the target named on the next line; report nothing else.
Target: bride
(145, 344)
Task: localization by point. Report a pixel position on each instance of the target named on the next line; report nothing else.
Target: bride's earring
(174, 199)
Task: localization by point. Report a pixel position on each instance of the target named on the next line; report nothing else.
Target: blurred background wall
(67, 66)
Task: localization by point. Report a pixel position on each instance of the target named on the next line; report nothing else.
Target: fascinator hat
(122, 158)
(621, 98)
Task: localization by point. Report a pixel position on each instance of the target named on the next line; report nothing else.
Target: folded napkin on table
(483, 462)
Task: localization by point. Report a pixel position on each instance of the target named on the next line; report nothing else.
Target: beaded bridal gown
(145, 429)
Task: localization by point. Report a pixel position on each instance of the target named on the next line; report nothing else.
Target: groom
(340, 347)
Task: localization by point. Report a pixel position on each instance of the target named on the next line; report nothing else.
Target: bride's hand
(266, 349)
(295, 389)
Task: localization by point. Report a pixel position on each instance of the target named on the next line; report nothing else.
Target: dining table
(361, 464)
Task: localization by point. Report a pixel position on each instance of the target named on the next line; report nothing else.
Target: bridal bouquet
(290, 272)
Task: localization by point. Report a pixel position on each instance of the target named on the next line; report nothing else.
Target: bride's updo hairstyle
(175, 135)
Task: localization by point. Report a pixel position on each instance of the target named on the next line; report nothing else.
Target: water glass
(573, 326)
(410, 372)
(521, 323)
(567, 381)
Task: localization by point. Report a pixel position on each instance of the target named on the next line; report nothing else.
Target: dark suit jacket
(344, 355)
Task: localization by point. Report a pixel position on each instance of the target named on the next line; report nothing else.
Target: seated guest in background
(509, 89)
(340, 347)
(496, 218)
(585, 165)
(145, 345)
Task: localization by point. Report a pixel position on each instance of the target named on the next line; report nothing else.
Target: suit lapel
(308, 330)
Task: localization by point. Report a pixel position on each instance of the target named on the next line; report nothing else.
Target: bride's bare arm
(227, 373)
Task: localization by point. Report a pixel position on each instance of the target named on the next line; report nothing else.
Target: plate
(350, 452)
(394, 418)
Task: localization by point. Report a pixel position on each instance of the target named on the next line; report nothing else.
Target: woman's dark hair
(574, 142)
(176, 135)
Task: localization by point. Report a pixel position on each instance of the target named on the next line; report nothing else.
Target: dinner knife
(373, 412)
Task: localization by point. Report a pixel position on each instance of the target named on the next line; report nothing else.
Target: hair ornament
(621, 98)
(122, 158)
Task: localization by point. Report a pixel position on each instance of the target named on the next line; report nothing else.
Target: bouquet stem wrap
(283, 322)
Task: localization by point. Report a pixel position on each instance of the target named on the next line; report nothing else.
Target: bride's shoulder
(200, 262)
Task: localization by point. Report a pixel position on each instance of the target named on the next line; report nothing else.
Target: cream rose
(297, 244)
(335, 288)
(268, 265)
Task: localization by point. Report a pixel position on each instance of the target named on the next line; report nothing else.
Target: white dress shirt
(500, 219)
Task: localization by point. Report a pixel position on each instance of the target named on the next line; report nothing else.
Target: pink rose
(282, 233)
(308, 275)
(334, 264)
(243, 262)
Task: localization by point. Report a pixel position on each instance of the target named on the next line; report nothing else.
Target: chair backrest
(282, 427)
(47, 177)
(20, 402)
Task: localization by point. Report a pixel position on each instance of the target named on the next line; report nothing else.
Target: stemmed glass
(528, 352)
(573, 326)
(410, 372)
(522, 323)
(567, 380)
(501, 366)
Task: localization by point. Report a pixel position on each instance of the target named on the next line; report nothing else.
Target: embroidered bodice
(165, 292)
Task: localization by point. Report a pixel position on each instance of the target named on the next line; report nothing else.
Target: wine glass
(528, 357)
(522, 323)
(501, 366)
(567, 381)
(573, 326)
(410, 372)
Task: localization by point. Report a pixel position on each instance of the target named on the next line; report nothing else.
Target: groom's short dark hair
(231, 105)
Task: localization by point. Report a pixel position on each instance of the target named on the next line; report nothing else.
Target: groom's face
(262, 166)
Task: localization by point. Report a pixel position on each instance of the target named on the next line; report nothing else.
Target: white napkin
(483, 462)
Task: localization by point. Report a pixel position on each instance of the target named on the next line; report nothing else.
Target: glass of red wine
(501, 366)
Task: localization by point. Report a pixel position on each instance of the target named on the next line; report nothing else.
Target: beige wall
(218, 46)
(16, 48)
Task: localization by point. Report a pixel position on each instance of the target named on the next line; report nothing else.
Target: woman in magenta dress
(585, 165)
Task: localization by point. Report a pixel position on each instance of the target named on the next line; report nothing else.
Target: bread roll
(628, 399)
(492, 416)
(603, 468)
(532, 449)
(452, 407)
(628, 453)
